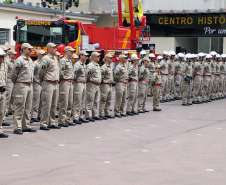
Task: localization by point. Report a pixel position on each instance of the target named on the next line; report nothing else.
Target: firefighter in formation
(67, 87)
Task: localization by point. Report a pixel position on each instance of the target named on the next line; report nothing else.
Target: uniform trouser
(197, 87)
(212, 95)
(206, 88)
(186, 92)
(120, 98)
(170, 88)
(132, 95)
(150, 91)
(156, 96)
(216, 85)
(65, 101)
(143, 89)
(2, 108)
(221, 85)
(79, 100)
(92, 94)
(177, 87)
(22, 96)
(35, 111)
(225, 84)
(57, 99)
(163, 95)
(49, 101)
(9, 97)
(105, 99)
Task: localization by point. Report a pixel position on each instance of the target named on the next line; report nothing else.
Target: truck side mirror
(14, 32)
(71, 33)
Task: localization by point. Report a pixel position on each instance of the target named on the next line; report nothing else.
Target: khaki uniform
(156, 84)
(198, 81)
(93, 87)
(213, 69)
(2, 94)
(79, 90)
(143, 87)
(37, 88)
(206, 81)
(178, 79)
(217, 79)
(164, 73)
(170, 89)
(65, 90)
(9, 86)
(121, 79)
(105, 90)
(186, 86)
(133, 88)
(151, 67)
(49, 76)
(222, 79)
(224, 64)
(22, 77)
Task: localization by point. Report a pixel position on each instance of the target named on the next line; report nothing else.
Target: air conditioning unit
(29, 3)
(38, 4)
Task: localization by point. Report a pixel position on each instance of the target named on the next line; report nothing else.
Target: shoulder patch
(34, 65)
(103, 69)
(90, 67)
(130, 69)
(18, 62)
(44, 61)
(77, 67)
(117, 69)
(63, 63)
(142, 70)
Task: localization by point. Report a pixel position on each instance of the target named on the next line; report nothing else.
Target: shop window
(4, 36)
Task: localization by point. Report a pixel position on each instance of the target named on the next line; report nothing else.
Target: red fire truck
(129, 35)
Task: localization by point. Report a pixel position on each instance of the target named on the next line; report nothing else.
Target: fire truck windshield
(40, 34)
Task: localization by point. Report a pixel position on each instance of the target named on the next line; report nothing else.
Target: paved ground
(178, 146)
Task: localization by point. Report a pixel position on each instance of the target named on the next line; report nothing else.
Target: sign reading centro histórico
(187, 25)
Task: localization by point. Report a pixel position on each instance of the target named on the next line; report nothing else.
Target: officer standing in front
(151, 67)
(22, 78)
(106, 88)
(156, 84)
(80, 88)
(49, 78)
(66, 88)
(121, 79)
(93, 87)
(164, 73)
(178, 78)
(2, 91)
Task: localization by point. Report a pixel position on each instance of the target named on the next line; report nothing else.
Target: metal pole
(63, 8)
(120, 13)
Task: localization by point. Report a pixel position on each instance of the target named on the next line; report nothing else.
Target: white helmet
(218, 56)
(125, 52)
(171, 53)
(133, 55)
(159, 58)
(194, 56)
(223, 55)
(188, 56)
(181, 55)
(213, 53)
(2, 52)
(165, 52)
(143, 52)
(208, 56)
(151, 55)
(202, 54)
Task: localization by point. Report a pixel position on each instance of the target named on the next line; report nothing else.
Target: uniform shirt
(151, 67)
(177, 68)
(9, 65)
(36, 69)
(186, 70)
(49, 68)
(93, 72)
(218, 71)
(133, 73)
(164, 67)
(199, 68)
(222, 68)
(66, 69)
(2, 75)
(213, 66)
(144, 73)
(207, 68)
(156, 79)
(171, 66)
(23, 70)
(106, 74)
(121, 73)
(80, 72)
